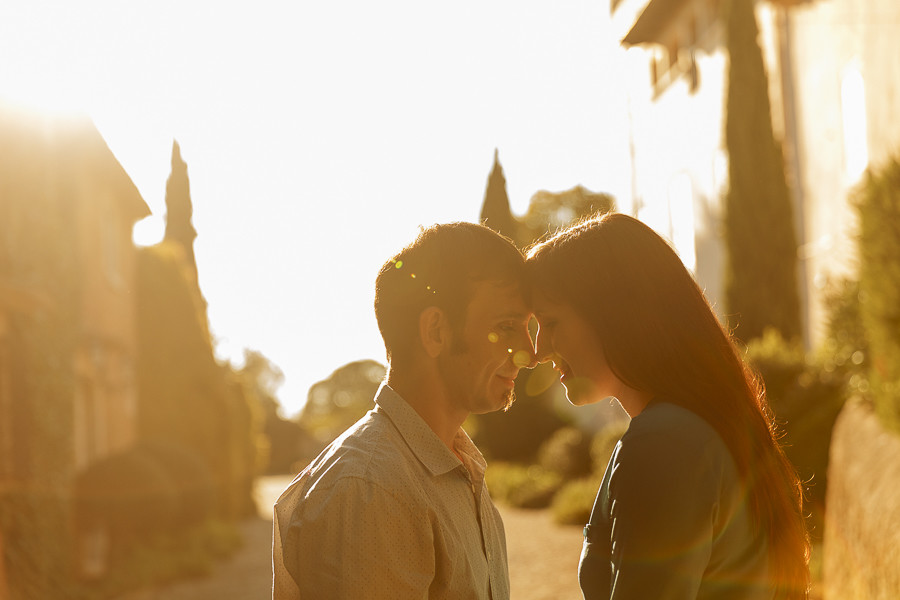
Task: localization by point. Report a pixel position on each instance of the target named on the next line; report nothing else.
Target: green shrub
(164, 558)
(522, 486)
(878, 205)
(129, 493)
(604, 442)
(192, 478)
(567, 452)
(572, 504)
(805, 398)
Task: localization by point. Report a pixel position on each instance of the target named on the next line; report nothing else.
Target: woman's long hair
(660, 336)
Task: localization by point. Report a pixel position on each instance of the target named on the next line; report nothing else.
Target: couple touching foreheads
(698, 499)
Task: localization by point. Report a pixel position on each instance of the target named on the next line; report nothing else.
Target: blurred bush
(877, 202)
(336, 403)
(128, 495)
(567, 453)
(193, 480)
(522, 486)
(572, 504)
(805, 398)
(567, 477)
(604, 442)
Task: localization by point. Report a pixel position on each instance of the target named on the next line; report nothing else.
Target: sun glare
(149, 231)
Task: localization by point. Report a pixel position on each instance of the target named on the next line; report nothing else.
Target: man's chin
(501, 403)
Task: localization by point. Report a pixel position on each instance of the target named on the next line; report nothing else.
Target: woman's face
(569, 341)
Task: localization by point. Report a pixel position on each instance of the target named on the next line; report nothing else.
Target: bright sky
(320, 135)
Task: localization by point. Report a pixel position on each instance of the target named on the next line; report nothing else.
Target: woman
(698, 499)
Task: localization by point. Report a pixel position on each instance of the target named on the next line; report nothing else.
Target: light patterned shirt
(388, 511)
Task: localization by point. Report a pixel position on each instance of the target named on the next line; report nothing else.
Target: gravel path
(543, 558)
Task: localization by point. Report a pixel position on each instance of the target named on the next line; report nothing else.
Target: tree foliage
(495, 211)
(551, 211)
(878, 205)
(284, 443)
(334, 404)
(179, 209)
(185, 395)
(761, 280)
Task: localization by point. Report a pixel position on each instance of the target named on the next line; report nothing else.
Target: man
(396, 507)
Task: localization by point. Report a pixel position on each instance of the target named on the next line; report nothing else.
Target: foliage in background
(495, 212)
(129, 495)
(878, 205)
(336, 403)
(521, 485)
(573, 503)
(185, 395)
(283, 443)
(163, 558)
(548, 211)
(567, 478)
(567, 452)
(761, 280)
(805, 398)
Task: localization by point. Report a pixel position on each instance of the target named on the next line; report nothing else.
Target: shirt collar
(423, 441)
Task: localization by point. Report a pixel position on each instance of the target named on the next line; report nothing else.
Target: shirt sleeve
(662, 510)
(357, 540)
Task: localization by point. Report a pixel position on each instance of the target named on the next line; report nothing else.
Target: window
(681, 219)
(853, 113)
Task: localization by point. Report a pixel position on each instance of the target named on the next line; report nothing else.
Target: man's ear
(434, 331)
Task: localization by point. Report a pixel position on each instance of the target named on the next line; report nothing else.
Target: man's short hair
(439, 269)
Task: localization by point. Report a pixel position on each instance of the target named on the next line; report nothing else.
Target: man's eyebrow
(513, 314)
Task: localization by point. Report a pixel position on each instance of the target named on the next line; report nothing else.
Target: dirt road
(542, 558)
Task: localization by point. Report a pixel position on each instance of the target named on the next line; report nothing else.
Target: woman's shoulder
(674, 428)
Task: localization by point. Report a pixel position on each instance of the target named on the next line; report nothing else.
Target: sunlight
(149, 231)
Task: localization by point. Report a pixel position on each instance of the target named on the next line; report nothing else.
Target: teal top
(671, 520)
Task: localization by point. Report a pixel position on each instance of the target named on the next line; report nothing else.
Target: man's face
(489, 349)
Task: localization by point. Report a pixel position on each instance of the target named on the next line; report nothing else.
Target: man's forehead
(500, 298)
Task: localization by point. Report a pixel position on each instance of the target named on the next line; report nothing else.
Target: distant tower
(179, 210)
(495, 212)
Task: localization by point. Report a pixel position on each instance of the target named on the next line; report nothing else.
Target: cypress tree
(179, 209)
(495, 211)
(761, 279)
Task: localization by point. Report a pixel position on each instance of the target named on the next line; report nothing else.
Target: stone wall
(862, 533)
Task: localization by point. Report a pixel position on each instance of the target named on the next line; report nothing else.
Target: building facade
(68, 331)
(833, 83)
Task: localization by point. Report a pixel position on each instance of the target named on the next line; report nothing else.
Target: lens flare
(493, 337)
(522, 359)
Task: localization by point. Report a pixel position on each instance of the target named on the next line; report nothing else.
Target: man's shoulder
(372, 452)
